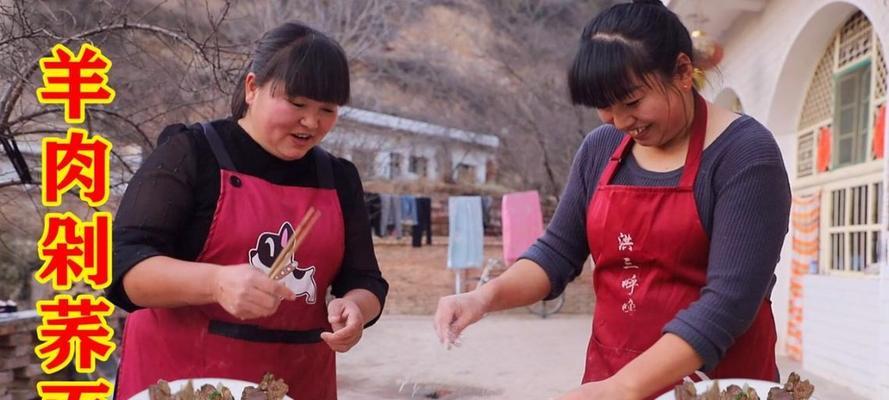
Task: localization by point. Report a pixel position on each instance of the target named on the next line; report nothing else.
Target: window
(805, 152)
(848, 86)
(418, 166)
(363, 160)
(852, 237)
(394, 165)
(852, 115)
(834, 147)
(465, 173)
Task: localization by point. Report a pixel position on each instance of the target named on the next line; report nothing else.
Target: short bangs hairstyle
(306, 61)
(626, 46)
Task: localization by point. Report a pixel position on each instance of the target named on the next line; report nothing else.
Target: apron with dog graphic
(253, 220)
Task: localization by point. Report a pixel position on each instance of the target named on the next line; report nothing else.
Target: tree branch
(14, 92)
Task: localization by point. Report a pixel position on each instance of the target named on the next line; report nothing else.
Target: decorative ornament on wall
(707, 54)
(707, 51)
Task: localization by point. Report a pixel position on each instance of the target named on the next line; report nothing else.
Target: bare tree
(539, 111)
(166, 66)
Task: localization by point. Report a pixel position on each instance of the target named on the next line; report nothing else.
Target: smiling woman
(683, 206)
(204, 218)
(288, 107)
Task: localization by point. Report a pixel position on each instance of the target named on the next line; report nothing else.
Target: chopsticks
(279, 266)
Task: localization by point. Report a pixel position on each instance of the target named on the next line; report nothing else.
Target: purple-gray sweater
(743, 199)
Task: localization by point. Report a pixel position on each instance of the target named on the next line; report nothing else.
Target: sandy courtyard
(508, 355)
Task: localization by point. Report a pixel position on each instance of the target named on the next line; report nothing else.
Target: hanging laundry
(522, 223)
(424, 222)
(408, 209)
(390, 215)
(373, 204)
(487, 201)
(465, 232)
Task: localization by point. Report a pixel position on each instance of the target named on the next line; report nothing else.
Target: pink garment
(522, 223)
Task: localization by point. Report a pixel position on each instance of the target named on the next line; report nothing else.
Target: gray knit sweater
(743, 200)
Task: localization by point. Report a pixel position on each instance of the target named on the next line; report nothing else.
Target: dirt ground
(502, 357)
(418, 277)
(508, 355)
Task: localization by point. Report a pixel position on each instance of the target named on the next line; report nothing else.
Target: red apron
(253, 219)
(650, 252)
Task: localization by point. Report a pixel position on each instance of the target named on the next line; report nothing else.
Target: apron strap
(218, 148)
(615, 160)
(253, 333)
(695, 144)
(324, 167)
(323, 159)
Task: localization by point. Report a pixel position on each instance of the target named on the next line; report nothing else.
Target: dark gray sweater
(743, 200)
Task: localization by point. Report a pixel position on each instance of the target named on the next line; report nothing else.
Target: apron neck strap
(692, 158)
(323, 159)
(218, 148)
(695, 143)
(323, 166)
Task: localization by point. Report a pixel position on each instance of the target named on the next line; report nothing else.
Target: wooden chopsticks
(299, 235)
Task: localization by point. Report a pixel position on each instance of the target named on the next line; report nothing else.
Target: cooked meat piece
(160, 391)
(186, 393)
(685, 391)
(777, 393)
(751, 394)
(252, 393)
(792, 380)
(206, 392)
(733, 392)
(226, 393)
(712, 393)
(266, 380)
(277, 389)
(803, 390)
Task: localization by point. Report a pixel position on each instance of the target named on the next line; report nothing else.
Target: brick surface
(14, 362)
(16, 339)
(15, 351)
(6, 377)
(23, 394)
(28, 371)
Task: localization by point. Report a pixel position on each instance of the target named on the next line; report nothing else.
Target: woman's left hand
(347, 322)
(607, 389)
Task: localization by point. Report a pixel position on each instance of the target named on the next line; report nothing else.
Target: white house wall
(383, 145)
(770, 58)
(884, 335)
(839, 338)
(471, 157)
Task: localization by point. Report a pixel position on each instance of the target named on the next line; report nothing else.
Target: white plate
(234, 385)
(762, 387)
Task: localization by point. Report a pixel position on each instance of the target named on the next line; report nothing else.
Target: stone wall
(19, 366)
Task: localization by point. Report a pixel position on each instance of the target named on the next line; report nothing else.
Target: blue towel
(465, 232)
(409, 209)
(390, 214)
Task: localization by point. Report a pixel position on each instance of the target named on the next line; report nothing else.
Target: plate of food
(216, 389)
(742, 389)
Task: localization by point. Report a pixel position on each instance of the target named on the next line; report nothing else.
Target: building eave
(417, 127)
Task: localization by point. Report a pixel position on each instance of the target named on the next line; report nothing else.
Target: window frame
(861, 136)
(873, 225)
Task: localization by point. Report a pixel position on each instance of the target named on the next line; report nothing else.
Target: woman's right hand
(247, 293)
(456, 312)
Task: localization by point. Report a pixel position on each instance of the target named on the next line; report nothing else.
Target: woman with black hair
(683, 206)
(215, 204)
